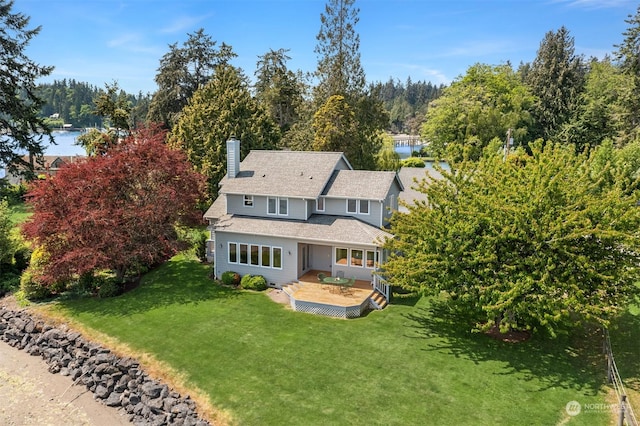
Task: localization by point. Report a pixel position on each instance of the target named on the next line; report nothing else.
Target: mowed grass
(413, 363)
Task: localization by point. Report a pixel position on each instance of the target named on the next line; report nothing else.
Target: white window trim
(278, 212)
(357, 210)
(273, 249)
(318, 204)
(247, 201)
(229, 244)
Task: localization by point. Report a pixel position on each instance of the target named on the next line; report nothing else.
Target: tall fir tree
(556, 77)
(628, 53)
(19, 102)
(222, 108)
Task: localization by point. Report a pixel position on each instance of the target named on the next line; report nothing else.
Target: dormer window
(277, 206)
(248, 200)
(357, 206)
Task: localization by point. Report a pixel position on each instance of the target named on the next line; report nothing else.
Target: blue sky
(101, 41)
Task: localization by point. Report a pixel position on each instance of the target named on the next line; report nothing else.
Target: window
(352, 206)
(277, 258)
(254, 255)
(283, 206)
(371, 259)
(248, 200)
(266, 256)
(271, 205)
(358, 206)
(279, 206)
(244, 254)
(341, 256)
(320, 204)
(233, 253)
(364, 207)
(356, 258)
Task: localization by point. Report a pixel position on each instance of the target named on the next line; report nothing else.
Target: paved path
(30, 395)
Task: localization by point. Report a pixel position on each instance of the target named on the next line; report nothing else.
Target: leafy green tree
(95, 142)
(388, 158)
(536, 242)
(335, 127)
(601, 111)
(556, 76)
(19, 102)
(222, 108)
(183, 70)
(475, 109)
(112, 104)
(6, 242)
(628, 54)
(277, 88)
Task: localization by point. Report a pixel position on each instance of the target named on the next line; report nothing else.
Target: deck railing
(382, 286)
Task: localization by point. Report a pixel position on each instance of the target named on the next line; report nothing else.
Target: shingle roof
(319, 228)
(409, 176)
(301, 174)
(362, 184)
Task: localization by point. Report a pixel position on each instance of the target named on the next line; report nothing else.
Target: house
(46, 165)
(282, 214)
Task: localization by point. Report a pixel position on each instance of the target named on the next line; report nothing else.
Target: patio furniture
(340, 283)
(321, 277)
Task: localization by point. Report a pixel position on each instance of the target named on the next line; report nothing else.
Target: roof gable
(361, 184)
(302, 174)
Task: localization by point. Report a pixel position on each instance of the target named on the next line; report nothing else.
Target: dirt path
(30, 395)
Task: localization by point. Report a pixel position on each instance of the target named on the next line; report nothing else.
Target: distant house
(46, 165)
(282, 214)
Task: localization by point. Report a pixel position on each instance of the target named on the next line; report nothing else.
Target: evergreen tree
(22, 130)
(221, 109)
(277, 88)
(339, 70)
(183, 70)
(340, 74)
(556, 77)
(628, 54)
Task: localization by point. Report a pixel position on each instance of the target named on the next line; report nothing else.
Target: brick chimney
(233, 157)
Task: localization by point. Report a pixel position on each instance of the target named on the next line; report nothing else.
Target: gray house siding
(276, 276)
(296, 208)
(338, 207)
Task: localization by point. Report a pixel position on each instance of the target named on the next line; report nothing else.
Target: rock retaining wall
(117, 382)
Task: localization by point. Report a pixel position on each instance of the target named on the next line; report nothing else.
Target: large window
(357, 258)
(357, 206)
(341, 255)
(244, 254)
(255, 255)
(278, 206)
(371, 259)
(233, 252)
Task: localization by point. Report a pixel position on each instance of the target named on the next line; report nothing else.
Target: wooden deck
(309, 295)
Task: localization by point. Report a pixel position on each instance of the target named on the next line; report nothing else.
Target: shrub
(9, 282)
(31, 288)
(253, 282)
(413, 162)
(108, 287)
(230, 278)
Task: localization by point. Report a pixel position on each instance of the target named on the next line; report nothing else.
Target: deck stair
(292, 287)
(378, 300)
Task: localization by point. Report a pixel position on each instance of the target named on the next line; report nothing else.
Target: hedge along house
(282, 214)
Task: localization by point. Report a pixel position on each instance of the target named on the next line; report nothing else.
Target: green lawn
(412, 364)
(19, 213)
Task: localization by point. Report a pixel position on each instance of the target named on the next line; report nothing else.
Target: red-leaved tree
(115, 212)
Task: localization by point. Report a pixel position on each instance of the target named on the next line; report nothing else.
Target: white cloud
(183, 24)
